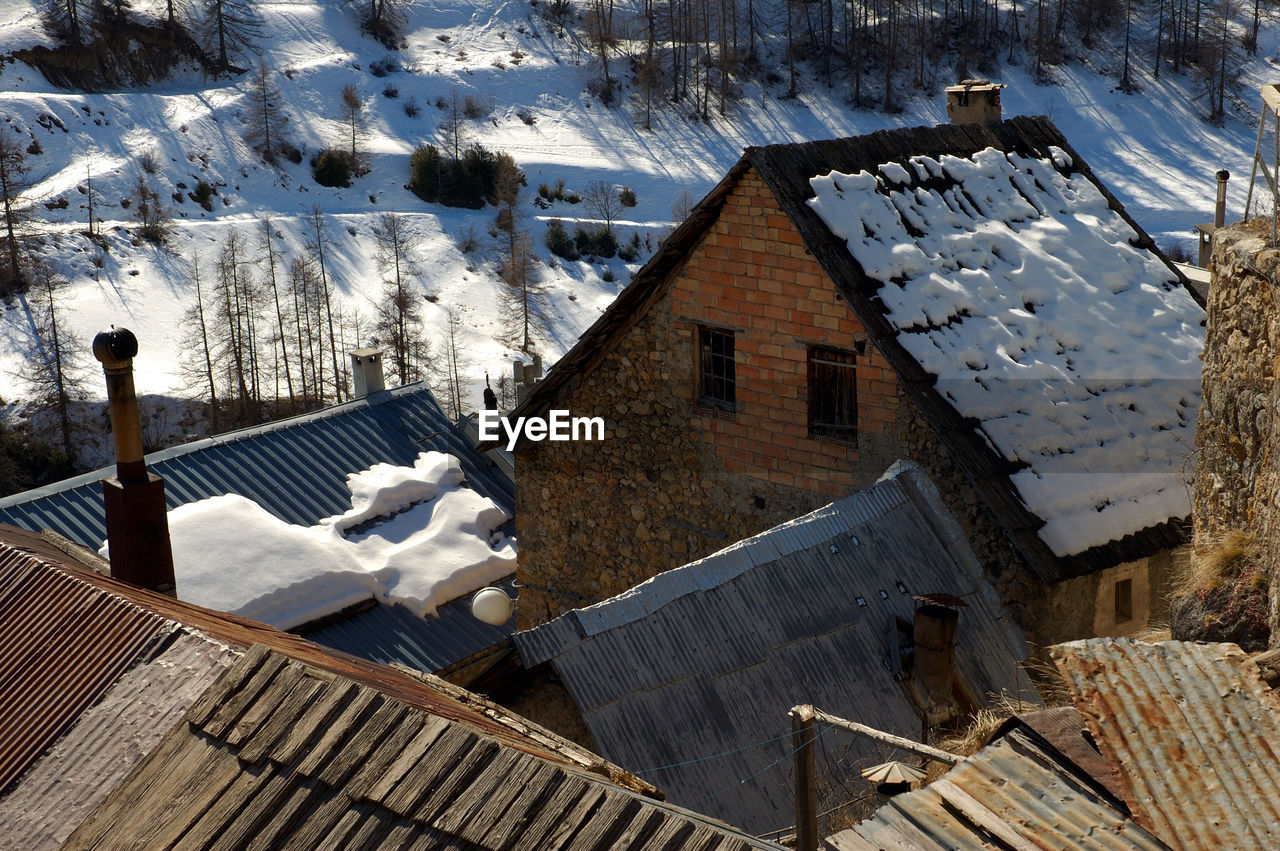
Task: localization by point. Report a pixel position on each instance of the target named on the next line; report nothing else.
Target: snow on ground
(415, 536)
(1024, 294)
(1151, 149)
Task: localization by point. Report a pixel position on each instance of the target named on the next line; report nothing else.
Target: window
(1124, 600)
(833, 393)
(716, 365)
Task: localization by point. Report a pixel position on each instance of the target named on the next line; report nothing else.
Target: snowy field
(1152, 150)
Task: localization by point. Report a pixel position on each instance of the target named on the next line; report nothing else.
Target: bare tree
(385, 20)
(524, 303)
(454, 365)
(65, 20)
(318, 243)
(265, 116)
(230, 27)
(603, 201)
(197, 362)
(267, 241)
(353, 114)
(13, 182)
(149, 210)
(398, 321)
(57, 372)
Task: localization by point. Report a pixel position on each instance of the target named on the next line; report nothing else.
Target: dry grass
(1200, 572)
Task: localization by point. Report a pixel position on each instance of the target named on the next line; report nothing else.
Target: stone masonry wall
(673, 480)
(1237, 472)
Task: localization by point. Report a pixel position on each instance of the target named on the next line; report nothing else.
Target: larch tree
(13, 182)
(57, 370)
(353, 114)
(318, 245)
(197, 362)
(265, 117)
(398, 320)
(230, 28)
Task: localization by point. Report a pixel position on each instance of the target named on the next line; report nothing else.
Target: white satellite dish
(492, 605)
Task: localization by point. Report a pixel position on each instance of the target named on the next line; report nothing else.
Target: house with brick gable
(969, 297)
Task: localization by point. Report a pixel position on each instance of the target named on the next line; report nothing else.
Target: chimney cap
(115, 345)
(1223, 175)
(366, 352)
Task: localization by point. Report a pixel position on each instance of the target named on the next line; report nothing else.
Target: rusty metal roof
(62, 645)
(281, 752)
(1194, 733)
(107, 742)
(1012, 794)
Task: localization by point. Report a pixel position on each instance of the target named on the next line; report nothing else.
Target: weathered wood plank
(292, 813)
(212, 815)
(562, 830)
(230, 711)
(363, 703)
(670, 836)
(641, 828)
(339, 837)
(571, 793)
(356, 751)
(329, 808)
(391, 748)
(266, 705)
(228, 684)
(521, 813)
(444, 787)
(300, 698)
(314, 721)
(261, 808)
(436, 764)
(607, 822)
(381, 785)
(485, 799)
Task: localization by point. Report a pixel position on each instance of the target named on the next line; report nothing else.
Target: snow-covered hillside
(1152, 149)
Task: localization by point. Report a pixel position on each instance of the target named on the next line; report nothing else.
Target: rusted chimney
(137, 526)
(1206, 231)
(974, 102)
(934, 668)
(366, 372)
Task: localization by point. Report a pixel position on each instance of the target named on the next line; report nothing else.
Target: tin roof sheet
(1012, 794)
(1194, 733)
(687, 679)
(295, 468)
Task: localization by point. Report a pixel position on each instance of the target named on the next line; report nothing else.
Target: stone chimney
(934, 671)
(366, 372)
(974, 102)
(137, 526)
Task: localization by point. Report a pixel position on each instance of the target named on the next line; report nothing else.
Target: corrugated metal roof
(62, 645)
(278, 752)
(107, 742)
(1011, 794)
(390, 634)
(295, 468)
(687, 679)
(1194, 733)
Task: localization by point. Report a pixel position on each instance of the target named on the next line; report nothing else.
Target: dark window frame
(833, 392)
(1123, 598)
(717, 368)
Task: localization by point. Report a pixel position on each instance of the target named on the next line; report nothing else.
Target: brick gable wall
(674, 480)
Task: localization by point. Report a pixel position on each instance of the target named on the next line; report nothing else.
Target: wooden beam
(932, 753)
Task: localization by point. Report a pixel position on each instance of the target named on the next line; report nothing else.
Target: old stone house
(970, 297)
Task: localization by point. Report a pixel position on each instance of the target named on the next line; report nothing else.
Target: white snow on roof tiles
(415, 536)
(1022, 291)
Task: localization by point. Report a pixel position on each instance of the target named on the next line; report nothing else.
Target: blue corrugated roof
(295, 468)
(394, 634)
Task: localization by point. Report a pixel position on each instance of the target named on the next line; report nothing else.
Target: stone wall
(1237, 475)
(673, 480)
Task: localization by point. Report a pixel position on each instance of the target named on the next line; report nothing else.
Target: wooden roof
(787, 170)
(282, 754)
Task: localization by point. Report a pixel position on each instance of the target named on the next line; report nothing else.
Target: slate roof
(788, 170)
(136, 720)
(297, 469)
(687, 678)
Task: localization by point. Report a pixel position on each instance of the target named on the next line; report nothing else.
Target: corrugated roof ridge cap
(810, 530)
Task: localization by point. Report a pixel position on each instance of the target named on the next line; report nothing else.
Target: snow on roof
(414, 536)
(1012, 280)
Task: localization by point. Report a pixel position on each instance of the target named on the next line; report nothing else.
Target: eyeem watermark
(558, 425)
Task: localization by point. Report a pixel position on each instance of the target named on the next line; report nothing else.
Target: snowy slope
(1151, 149)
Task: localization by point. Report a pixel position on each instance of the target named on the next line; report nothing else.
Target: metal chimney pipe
(137, 526)
(1220, 208)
